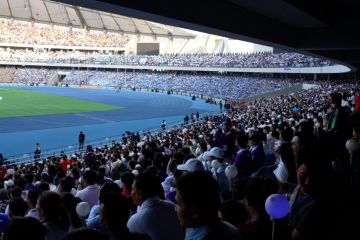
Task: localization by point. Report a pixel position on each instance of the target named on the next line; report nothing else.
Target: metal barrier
(27, 158)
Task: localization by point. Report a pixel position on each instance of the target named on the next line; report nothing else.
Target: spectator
(25, 228)
(198, 203)
(37, 152)
(53, 215)
(115, 215)
(81, 140)
(90, 191)
(154, 217)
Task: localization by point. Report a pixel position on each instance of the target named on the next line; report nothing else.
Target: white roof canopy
(50, 12)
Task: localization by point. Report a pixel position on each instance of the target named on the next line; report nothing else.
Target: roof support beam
(30, 9)
(47, 11)
(68, 17)
(152, 32)
(102, 21)
(117, 24)
(8, 4)
(82, 20)
(136, 28)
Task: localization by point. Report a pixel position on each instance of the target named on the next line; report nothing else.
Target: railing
(27, 158)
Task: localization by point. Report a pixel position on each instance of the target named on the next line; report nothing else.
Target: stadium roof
(322, 27)
(51, 12)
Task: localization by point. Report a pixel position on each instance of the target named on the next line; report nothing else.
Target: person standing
(163, 125)
(81, 140)
(37, 152)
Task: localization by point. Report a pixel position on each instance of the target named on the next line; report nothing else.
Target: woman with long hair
(53, 215)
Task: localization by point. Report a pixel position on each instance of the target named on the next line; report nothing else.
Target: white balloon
(352, 145)
(83, 209)
(215, 164)
(0, 98)
(231, 171)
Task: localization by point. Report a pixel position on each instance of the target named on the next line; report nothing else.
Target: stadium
(98, 95)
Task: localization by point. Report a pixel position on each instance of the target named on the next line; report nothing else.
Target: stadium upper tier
(19, 32)
(218, 86)
(236, 60)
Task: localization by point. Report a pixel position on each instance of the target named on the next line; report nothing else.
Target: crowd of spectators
(33, 76)
(211, 85)
(21, 32)
(174, 183)
(236, 60)
(7, 74)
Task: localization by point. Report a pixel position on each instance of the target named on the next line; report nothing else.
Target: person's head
(144, 187)
(43, 186)
(25, 228)
(32, 197)
(314, 168)
(65, 185)
(3, 195)
(191, 165)
(256, 192)
(17, 208)
(233, 212)
(89, 148)
(335, 99)
(50, 209)
(227, 125)
(254, 139)
(86, 234)
(286, 134)
(114, 212)
(216, 153)
(242, 140)
(127, 178)
(198, 199)
(14, 192)
(109, 187)
(89, 178)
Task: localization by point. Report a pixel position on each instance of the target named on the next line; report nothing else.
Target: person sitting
(114, 216)
(53, 215)
(198, 202)
(90, 193)
(24, 228)
(154, 217)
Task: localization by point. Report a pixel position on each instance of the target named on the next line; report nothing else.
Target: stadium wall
(305, 70)
(295, 88)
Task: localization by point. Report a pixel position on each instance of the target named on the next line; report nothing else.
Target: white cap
(216, 152)
(204, 156)
(191, 165)
(119, 183)
(8, 183)
(10, 171)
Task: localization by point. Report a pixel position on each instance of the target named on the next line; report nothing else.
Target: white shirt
(90, 194)
(33, 213)
(281, 172)
(158, 219)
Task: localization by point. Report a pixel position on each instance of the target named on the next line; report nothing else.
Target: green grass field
(19, 103)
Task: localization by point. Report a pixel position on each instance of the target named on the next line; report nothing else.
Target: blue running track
(143, 110)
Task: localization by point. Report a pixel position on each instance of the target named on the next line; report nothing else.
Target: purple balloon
(277, 206)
